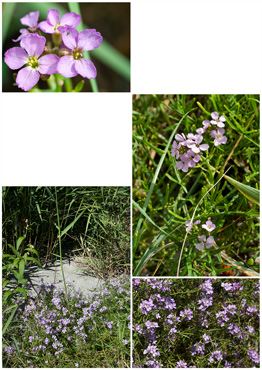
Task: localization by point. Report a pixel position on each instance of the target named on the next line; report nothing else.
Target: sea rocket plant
(65, 58)
(29, 56)
(203, 328)
(55, 329)
(205, 240)
(188, 148)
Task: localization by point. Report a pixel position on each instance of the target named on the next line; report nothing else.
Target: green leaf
(79, 86)
(19, 241)
(250, 193)
(72, 224)
(35, 260)
(9, 320)
(15, 251)
(22, 267)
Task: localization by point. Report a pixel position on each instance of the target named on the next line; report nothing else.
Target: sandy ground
(72, 272)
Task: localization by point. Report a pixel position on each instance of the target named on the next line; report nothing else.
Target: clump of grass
(53, 330)
(167, 194)
(91, 220)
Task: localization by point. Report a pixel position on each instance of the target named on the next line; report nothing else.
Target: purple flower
(189, 224)
(175, 149)
(190, 158)
(218, 135)
(205, 242)
(153, 350)
(195, 144)
(53, 25)
(74, 64)
(181, 138)
(209, 226)
(206, 123)
(29, 20)
(253, 355)
(206, 338)
(181, 363)
(219, 121)
(17, 57)
(182, 166)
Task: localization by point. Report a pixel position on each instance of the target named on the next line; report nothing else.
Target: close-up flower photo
(70, 47)
(196, 185)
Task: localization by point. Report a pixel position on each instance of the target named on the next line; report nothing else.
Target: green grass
(91, 222)
(164, 198)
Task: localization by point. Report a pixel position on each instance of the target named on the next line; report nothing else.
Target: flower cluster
(203, 327)
(66, 57)
(53, 326)
(188, 149)
(205, 241)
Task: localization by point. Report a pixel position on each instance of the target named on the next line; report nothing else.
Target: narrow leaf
(250, 193)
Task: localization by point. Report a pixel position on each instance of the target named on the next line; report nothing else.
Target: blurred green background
(111, 59)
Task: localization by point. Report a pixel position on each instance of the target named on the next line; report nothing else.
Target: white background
(176, 47)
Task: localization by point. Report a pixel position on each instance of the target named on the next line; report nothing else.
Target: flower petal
(30, 19)
(23, 33)
(53, 17)
(222, 119)
(70, 19)
(89, 40)
(48, 64)
(27, 78)
(15, 58)
(70, 38)
(46, 27)
(85, 68)
(199, 246)
(34, 44)
(202, 238)
(214, 115)
(204, 146)
(66, 66)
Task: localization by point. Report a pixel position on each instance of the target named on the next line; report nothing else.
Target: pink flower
(189, 224)
(29, 20)
(74, 64)
(175, 149)
(195, 144)
(208, 242)
(219, 121)
(29, 56)
(54, 25)
(209, 226)
(218, 135)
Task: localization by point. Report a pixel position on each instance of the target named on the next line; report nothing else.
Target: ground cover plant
(202, 323)
(43, 224)
(55, 328)
(196, 185)
(53, 47)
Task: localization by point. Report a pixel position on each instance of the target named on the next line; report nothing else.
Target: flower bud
(57, 38)
(63, 52)
(44, 77)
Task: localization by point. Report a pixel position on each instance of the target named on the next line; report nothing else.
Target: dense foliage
(58, 329)
(203, 323)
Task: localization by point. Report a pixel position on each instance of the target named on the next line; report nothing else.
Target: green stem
(74, 7)
(60, 246)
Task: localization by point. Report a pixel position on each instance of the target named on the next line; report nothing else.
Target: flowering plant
(188, 219)
(195, 323)
(54, 329)
(64, 55)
